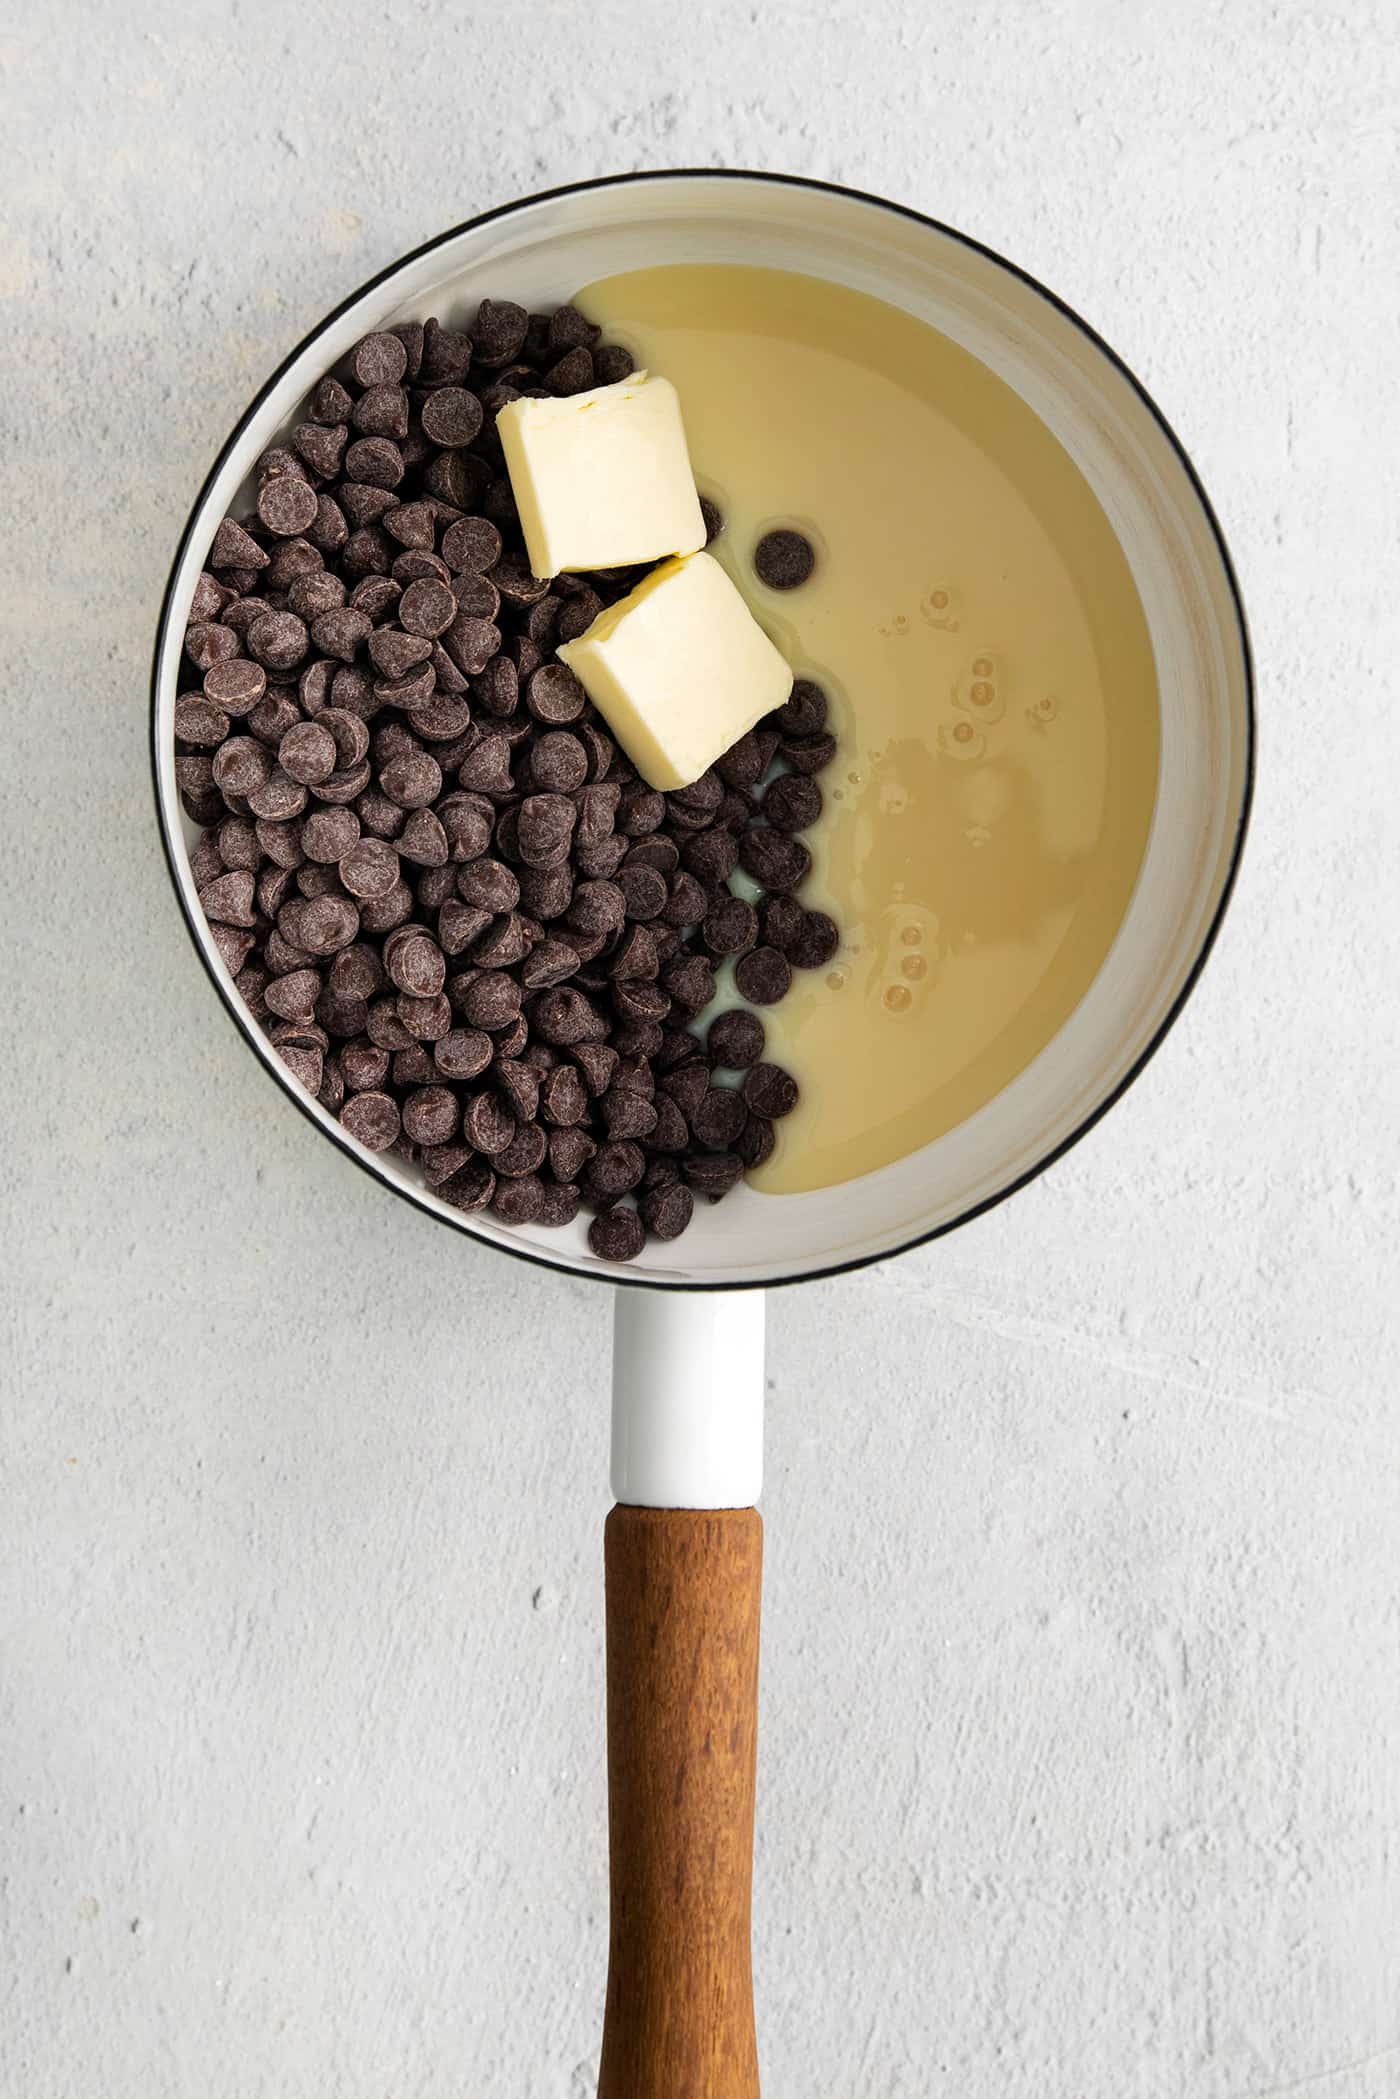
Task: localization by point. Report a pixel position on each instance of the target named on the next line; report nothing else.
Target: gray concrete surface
(1081, 1757)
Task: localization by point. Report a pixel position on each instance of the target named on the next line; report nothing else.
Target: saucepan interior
(540, 251)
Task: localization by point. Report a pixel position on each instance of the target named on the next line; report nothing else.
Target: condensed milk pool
(993, 694)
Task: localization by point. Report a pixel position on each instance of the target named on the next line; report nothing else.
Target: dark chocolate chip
(292, 995)
(357, 972)
(370, 869)
(783, 559)
(498, 333)
(446, 355)
(372, 1118)
(321, 924)
(426, 1019)
(711, 855)
(330, 402)
(307, 752)
(241, 766)
(730, 926)
(713, 1174)
(412, 780)
(467, 819)
(718, 1117)
(441, 1161)
(518, 586)
(686, 901)
(568, 328)
(413, 525)
(549, 962)
(661, 853)
(379, 360)
(381, 411)
(487, 1122)
(546, 824)
(278, 640)
(519, 1201)
(690, 980)
(394, 654)
(644, 890)
(235, 548)
(792, 802)
(229, 899)
(808, 754)
(815, 941)
(341, 631)
(565, 1017)
(492, 1000)
(617, 1234)
(310, 596)
(463, 1053)
(546, 892)
(199, 721)
(615, 1169)
(279, 796)
(641, 810)
(330, 532)
(287, 504)
(612, 363)
(427, 608)
(573, 374)
(471, 1189)
(763, 976)
(375, 462)
(735, 1039)
(520, 1087)
(666, 1211)
(328, 835)
(769, 1090)
(782, 918)
(774, 859)
(578, 615)
(558, 761)
(423, 840)
(554, 695)
(430, 1115)
(804, 713)
(452, 416)
(672, 1133)
(488, 884)
(471, 545)
(415, 962)
(471, 642)
(756, 1141)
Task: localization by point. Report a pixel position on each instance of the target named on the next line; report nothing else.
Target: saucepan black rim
(538, 1257)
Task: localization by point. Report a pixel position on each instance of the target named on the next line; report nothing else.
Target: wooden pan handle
(683, 1591)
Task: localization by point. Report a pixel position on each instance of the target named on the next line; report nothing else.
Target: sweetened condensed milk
(993, 693)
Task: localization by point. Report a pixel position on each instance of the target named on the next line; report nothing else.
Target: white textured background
(1081, 1735)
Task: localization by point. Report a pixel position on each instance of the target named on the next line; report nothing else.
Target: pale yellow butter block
(602, 479)
(679, 670)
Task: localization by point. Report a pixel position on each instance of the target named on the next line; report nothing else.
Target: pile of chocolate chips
(467, 924)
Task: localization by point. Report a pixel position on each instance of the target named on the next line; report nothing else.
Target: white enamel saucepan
(684, 1544)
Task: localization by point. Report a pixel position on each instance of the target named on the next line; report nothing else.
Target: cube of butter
(602, 479)
(679, 669)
